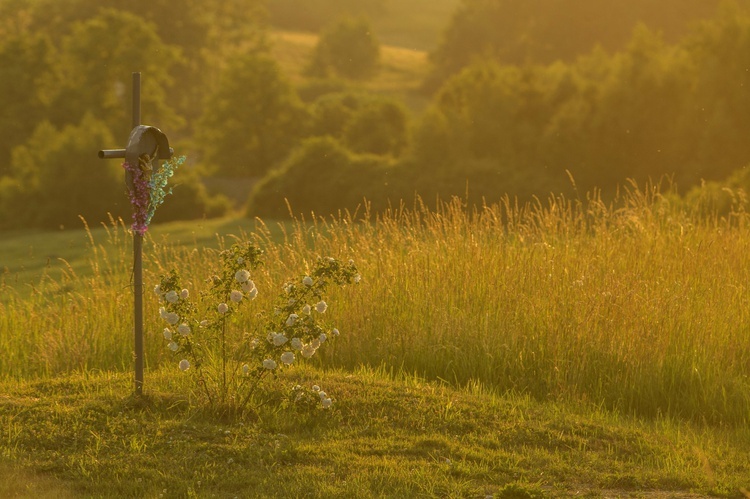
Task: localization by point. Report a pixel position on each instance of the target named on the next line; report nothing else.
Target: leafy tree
(362, 122)
(634, 128)
(205, 32)
(543, 31)
(23, 61)
(60, 178)
(56, 177)
(718, 119)
(379, 127)
(431, 146)
(332, 113)
(493, 111)
(322, 176)
(252, 120)
(93, 72)
(348, 48)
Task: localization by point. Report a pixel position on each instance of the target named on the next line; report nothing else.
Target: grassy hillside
(400, 74)
(415, 24)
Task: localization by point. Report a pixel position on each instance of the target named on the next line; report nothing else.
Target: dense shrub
(378, 127)
(59, 178)
(322, 176)
(252, 120)
(332, 113)
(362, 122)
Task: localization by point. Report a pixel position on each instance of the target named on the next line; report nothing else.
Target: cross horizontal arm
(120, 153)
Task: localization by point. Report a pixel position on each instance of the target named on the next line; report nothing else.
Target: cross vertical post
(145, 145)
(137, 264)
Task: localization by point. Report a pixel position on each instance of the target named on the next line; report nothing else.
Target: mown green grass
(387, 436)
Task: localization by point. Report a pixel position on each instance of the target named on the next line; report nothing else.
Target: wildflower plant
(232, 355)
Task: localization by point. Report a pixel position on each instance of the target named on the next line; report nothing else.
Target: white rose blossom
(171, 318)
(322, 338)
(252, 293)
(327, 403)
(184, 294)
(308, 351)
(184, 365)
(296, 344)
(306, 309)
(235, 296)
(167, 334)
(157, 289)
(242, 276)
(172, 296)
(269, 364)
(321, 307)
(307, 281)
(279, 339)
(245, 369)
(335, 332)
(247, 286)
(222, 308)
(287, 358)
(183, 329)
(173, 346)
(291, 319)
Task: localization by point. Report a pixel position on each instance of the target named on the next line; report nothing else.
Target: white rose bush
(233, 356)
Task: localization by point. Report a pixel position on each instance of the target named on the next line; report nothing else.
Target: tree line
(517, 114)
(649, 110)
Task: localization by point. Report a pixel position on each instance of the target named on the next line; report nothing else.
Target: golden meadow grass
(638, 304)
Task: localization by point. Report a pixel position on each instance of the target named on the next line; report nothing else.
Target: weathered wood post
(146, 143)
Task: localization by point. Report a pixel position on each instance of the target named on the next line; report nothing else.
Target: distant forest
(523, 96)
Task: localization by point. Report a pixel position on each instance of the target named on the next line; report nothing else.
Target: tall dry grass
(638, 304)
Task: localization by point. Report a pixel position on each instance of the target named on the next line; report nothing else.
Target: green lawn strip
(390, 436)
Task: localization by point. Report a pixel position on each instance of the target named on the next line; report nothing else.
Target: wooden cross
(145, 144)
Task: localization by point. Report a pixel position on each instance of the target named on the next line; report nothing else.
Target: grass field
(407, 31)
(400, 73)
(572, 347)
(415, 24)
